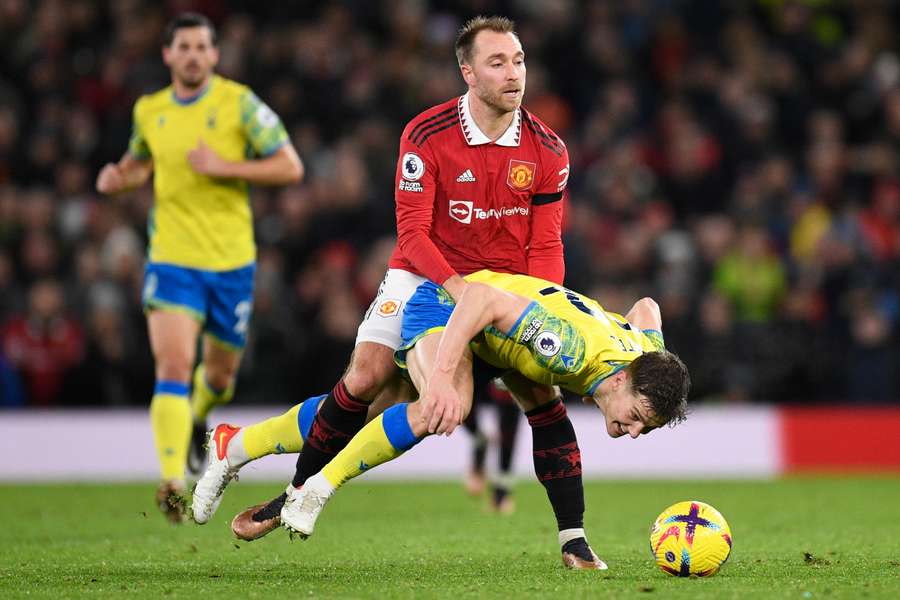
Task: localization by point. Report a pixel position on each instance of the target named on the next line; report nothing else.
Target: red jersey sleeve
(416, 180)
(545, 249)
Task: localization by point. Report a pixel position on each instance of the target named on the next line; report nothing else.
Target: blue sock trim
(396, 427)
(173, 388)
(307, 414)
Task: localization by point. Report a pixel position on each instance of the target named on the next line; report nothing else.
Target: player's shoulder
(432, 122)
(153, 100)
(542, 133)
(228, 88)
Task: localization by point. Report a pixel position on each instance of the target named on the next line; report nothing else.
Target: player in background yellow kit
(204, 138)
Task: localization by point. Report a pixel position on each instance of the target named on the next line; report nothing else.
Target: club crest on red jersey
(521, 175)
(389, 308)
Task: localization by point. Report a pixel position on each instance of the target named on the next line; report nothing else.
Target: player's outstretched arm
(127, 174)
(645, 314)
(282, 167)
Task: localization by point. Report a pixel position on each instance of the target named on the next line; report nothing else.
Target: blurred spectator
(739, 163)
(751, 277)
(44, 344)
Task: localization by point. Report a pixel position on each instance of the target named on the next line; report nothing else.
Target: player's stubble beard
(495, 101)
(192, 81)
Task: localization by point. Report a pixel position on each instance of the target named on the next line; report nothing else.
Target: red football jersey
(466, 203)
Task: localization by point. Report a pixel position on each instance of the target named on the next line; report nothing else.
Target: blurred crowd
(738, 161)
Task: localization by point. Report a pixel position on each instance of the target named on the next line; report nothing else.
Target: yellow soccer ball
(690, 539)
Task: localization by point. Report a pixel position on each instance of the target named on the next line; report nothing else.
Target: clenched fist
(205, 161)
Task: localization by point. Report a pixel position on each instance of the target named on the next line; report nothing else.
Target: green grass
(429, 540)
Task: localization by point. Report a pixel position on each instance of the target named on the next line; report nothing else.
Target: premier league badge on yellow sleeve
(521, 175)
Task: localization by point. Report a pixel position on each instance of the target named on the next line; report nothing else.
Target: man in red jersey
(479, 185)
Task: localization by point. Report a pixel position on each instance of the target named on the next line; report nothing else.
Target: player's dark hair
(466, 38)
(186, 20)
(664, 379)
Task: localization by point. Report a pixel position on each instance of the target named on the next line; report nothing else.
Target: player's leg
(508, 416)
(397, 389)
(475, 479)
(557, 465)
(233, 447)
(173, 338)
(213, 385)
(258, 520)
(175, 303)
(370, 376)
(339, 416)
(385, 438)
(345, 409)
(229, 308)
(371, 367)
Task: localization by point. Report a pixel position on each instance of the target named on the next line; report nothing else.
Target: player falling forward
(546, 332)
(194, 136)
(479, 184)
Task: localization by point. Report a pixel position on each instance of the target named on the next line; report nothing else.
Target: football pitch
(804, 537)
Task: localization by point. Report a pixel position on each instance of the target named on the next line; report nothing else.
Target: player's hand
(205, 161)
(110, 180)
(441, 406)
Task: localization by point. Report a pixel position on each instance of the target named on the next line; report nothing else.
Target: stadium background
(737, 161)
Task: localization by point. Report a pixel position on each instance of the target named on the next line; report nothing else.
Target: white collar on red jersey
(475, 137)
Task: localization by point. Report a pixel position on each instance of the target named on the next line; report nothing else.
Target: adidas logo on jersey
(466, 177)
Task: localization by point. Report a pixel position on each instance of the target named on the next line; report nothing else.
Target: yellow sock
(204, 398)
(274, 436)
(170, 418)
(385, 438)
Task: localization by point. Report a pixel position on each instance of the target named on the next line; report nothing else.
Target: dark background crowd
(738, 161)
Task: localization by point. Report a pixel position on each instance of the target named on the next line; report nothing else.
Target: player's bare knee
(369, 371)
(173, 368)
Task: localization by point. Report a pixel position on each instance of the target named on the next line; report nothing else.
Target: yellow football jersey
(198, 221)
(563, 338)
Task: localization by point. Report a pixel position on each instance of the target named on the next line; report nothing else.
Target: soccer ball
(690, 539)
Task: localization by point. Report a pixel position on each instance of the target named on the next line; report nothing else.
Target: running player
(479, 184)
(546, 332)
(195, 137)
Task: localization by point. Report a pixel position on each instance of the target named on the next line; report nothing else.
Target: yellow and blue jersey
(561, 338)
(198, 221)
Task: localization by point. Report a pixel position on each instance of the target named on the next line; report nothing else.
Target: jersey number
(242, 312)
(575, 300)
